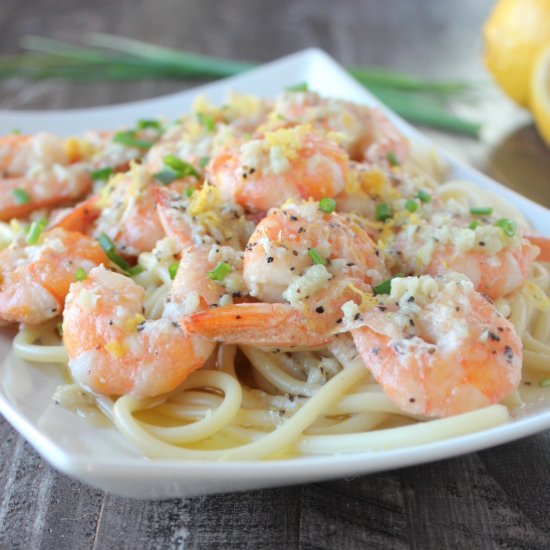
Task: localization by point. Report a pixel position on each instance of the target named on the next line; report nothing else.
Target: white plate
(101, 456)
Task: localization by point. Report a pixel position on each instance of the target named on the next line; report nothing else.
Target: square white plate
(101, 456)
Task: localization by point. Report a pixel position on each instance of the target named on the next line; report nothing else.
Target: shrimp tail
(544, 244)
(81, 216)
(255, 324)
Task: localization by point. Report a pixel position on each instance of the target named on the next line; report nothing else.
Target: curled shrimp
(438, 347)
(302, 265)
(38, 171)
(287, 163)
(34, 279)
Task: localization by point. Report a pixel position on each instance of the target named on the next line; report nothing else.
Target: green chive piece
(146, 123)
(317, 259)
(385, 287)
(393, 159)
(180, 167)
(189, 191)
(101, 175)
(173, 269)
(204, 161)
(299, 87)
(108, 247)
(508, 226)
(327, 205)
(411, 205)
(35, 231)
(383, 211)
(545, 383)
(423, 196)
(207, 121)
(16, 131)
(80, 274)
(481, 210)
(129, 139)
(474, 224)
(20, 196)
(166, 176)
(136, 270)
(219, 272)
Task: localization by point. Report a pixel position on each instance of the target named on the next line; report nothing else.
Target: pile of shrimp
(282, 224)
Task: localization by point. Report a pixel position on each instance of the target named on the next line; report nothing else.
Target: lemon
(540, 92)
(514, 32)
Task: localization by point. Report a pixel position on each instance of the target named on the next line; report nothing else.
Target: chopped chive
(423, 196)
(481, 210)
(20, 196)
(180, 167)
(108, 247)
(327, 205)
(145, 123)
(173, 269)
(101, 175)
(136, 270)
(299, 87)
(545, 383)
(317, 259)
(35, 231)
(207, 121)
(383, 211)
(474, 224)
(508, 226)
(385, 287)
(166, 176)
(219, 272)
(189, 191)
(16, 131)
(128, 138)
(411, 205)
(80, 274)
(392, 159)
(204, 161)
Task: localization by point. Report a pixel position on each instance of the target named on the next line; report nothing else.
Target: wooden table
(498, 498)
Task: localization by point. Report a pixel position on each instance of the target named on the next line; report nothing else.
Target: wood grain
(497, 498)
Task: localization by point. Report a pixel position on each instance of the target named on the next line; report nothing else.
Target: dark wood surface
(498, 498)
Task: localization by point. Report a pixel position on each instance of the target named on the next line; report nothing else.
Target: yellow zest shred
(536, 296)
(288, 140)
(132, 323)
(78, 149)
(117, 348)
(368, 301)
(205, 201)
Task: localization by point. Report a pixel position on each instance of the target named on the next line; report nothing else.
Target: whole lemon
(514, 32)
(540, 92)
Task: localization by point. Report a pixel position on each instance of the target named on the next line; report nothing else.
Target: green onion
(189, 191)
(33, 236)
(411, 205)
(383, 211)
(135, 270)
(327, 205)
(102, 175)
(204, 161)
(144, 124)
(392, 159)
(316, 257)
(166, 176)
(180, 166)
(385, 287)
(423, 196)
(219, 272)
(16, 131)
(474, 224)
(20, 196)
(545, 383)
(80, 274)
(129, 139)
(299, 87)
(481, 210)
(108, 247)
(508, 226)
(173, 269)
(207, 121)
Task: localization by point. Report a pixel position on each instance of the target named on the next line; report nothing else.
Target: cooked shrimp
(287, 163)
(303, 265)
(113, 350)
(34, 279)
(438, 347)
(369, 134)
(38, 171)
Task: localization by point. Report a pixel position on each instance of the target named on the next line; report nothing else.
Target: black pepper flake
(431, 351)
(357, 317)
(481, 243)
(237, 316)
(320, 309)
(410, 299)
(494, 337)
(411, 322)
(412, 399)
(292, 268)
(301, 230)
(350, 264)
(374, 351)
(293, 218)
(295, 252)
(270, 259)
(338, 321)
(508, 353)
(381, 308)
(110, 322)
